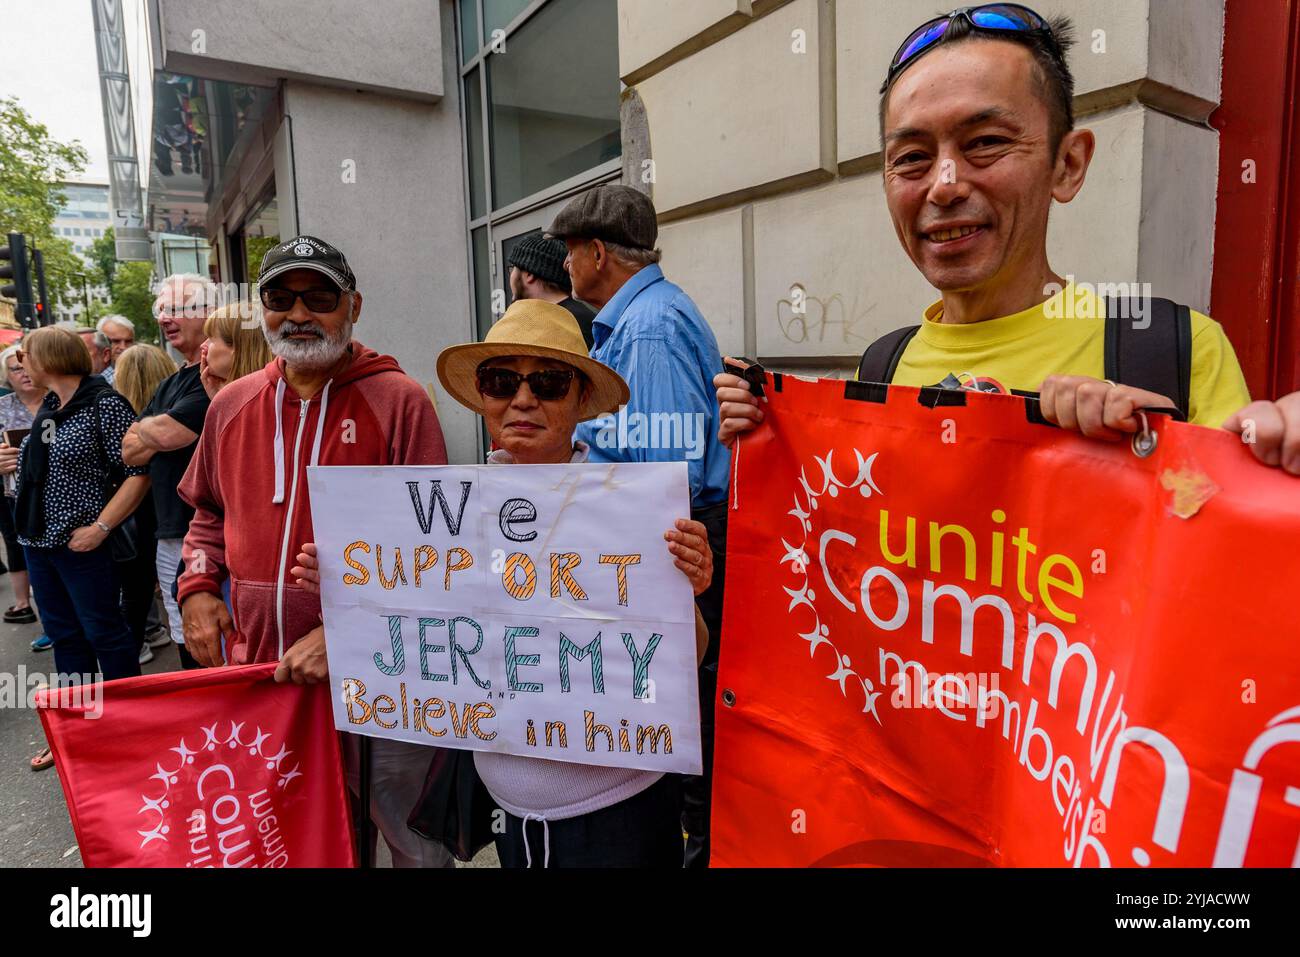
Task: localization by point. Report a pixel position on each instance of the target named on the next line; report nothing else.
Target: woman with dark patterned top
(73, 490)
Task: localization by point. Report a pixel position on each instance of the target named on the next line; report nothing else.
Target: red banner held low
(955, 636)
(213, 768)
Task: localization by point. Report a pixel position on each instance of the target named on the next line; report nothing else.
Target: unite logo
(797, 557)
(217, 808)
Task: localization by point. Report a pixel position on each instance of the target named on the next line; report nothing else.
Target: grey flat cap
(614, 214)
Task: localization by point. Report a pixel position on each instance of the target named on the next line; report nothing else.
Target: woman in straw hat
(533, 382)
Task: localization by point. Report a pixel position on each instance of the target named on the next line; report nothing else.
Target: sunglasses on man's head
(548, 385)
(986, 18)
(316, 300)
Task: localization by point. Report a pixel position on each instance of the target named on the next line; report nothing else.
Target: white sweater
(555, 790)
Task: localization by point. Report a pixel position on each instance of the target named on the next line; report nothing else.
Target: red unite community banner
(956, 636)
(212, 768)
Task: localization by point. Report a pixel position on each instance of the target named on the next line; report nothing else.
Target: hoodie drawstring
(546, 841)
(320, 423)
(278, 498)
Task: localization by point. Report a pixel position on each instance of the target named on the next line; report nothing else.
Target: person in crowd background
(167, 432)
(140, 371)
(235, 347)
(97, 344)
(119, 332)
(537, 272)
(650, 332)
(73, 491)
(17, 409)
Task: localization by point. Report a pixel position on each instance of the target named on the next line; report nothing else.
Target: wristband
(107, 529)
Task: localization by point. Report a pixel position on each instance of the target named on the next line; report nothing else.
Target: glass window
(497, 14)
(482, 283)
(469, 42)
(261, 232)
(474, 136)
(554, 98)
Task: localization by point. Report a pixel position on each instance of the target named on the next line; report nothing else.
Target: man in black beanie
(537, 272)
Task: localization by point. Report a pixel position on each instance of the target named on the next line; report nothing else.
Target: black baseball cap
(613, 214)
(308, 252)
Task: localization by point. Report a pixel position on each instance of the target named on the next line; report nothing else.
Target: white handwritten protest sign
(528, 609)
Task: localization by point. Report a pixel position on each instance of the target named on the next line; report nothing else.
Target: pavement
(34, 827)
(35, 830)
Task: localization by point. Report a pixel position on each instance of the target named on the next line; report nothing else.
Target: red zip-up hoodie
(248, 485)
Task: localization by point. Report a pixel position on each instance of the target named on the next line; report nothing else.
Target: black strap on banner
(866, 391)
(932, 397)
(1033, 407)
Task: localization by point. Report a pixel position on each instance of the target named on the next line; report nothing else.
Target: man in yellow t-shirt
(979, 141)
(1064, 334)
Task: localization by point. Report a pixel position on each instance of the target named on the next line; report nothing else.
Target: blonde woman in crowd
(145, 367)
(140, 370)
(236, 346)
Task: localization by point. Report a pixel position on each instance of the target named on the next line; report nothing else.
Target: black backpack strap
(1154, 352)
(880, 361)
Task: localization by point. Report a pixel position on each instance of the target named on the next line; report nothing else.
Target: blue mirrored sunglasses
(987, 18)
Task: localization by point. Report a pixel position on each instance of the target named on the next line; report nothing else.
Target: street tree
(32, 166)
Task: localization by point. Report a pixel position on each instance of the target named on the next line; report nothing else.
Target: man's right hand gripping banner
(955, 636)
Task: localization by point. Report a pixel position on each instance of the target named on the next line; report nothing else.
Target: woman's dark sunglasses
(986, 18)
(548, 385)
(316, 300)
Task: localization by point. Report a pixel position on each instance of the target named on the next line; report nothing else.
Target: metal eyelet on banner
(1144, 443)
(728, 697)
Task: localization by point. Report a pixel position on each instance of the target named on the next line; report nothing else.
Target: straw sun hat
(531, 327)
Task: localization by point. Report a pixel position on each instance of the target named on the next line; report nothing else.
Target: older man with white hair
(117, 333)
(167, 432)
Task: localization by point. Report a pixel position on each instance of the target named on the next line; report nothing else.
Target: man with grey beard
(324, 400)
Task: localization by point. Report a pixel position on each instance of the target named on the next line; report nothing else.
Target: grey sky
(47, 61)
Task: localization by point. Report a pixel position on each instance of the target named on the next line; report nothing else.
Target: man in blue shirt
(652, 334)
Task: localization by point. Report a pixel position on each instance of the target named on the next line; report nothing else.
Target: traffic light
(13, 265)
(43, 316)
